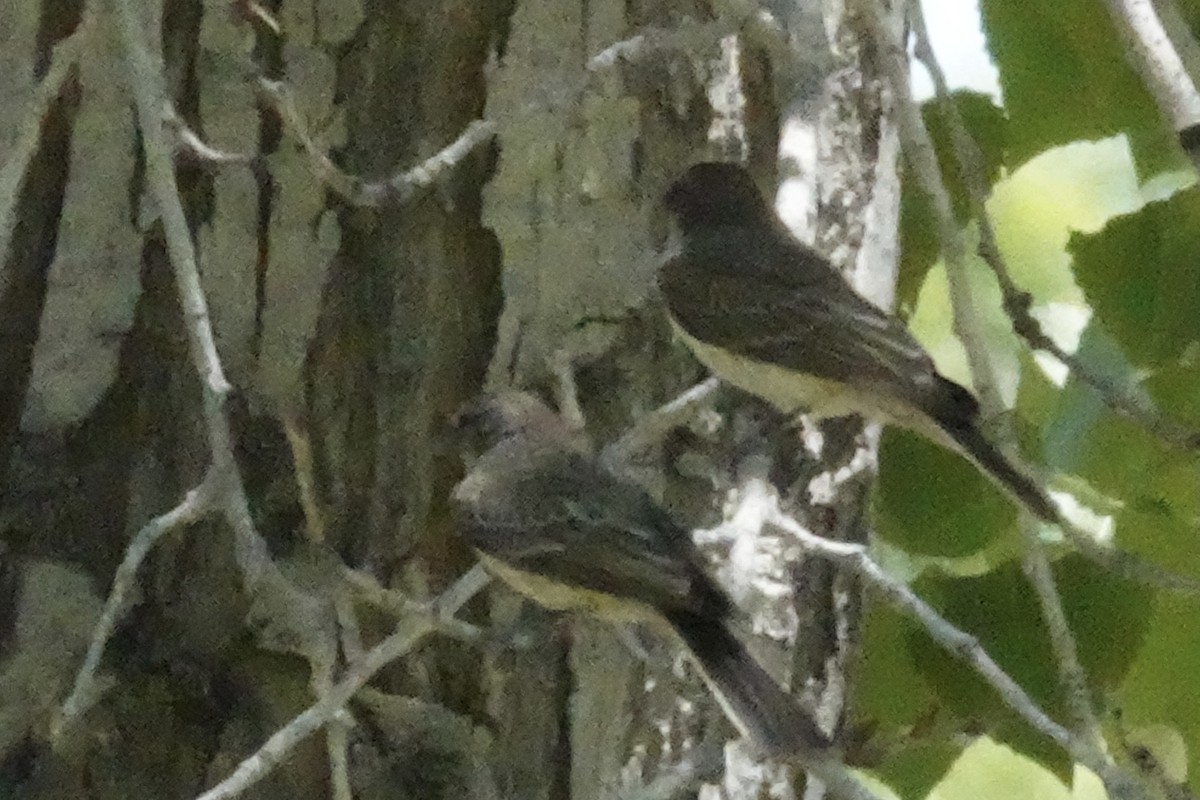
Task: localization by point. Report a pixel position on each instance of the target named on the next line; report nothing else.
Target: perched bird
(773, 317)
(550, 521)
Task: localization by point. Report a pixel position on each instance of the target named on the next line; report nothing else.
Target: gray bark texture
(356, 303)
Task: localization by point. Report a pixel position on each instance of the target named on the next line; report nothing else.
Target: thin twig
(277, 97)
(405, 186)
(85, 694)
(357, 191)
(961, 645)
(305, 474)
(922, 158)
(191, 144)
(566, 391)
(260, 574)
(1180, 33)
(1017, 303)
(401, 605)
(1062, 638)
(336, 740)
(409, 633)
(652, 428)
(350, 635)
(919, 145)
(451, 601)
(1127, 565)
(652, 39)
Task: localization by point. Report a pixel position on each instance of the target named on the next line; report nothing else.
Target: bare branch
(1062, 640)
(398, 189)
(1126, 565)
(961, 645)
(453, 599)
(85, 694)
(653, 39)
(1017, 303)
(277, 97)
(189, 143)
(922, 158)
(653, 427)
(260, 574)
(566, 392)
(1152, 55)
(306, 483)
(402, 606)
(336, 739)
(1180, 34)
(406, 186)
(919, 148)
(409, 633)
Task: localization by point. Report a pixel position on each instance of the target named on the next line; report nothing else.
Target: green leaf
(1190, 10)
(920, 247)
(1160, 520)
(893, 701)
(930, 501)
(986, 125)
(1065, 78)
(1139, 273)
(988, 770)
(1113, 454)
(1108, 616)
(1158, 688)
(891, 693)
(1176, 392)
(918, 228)
(1034, 409)
(1079, 412)
(917, 768)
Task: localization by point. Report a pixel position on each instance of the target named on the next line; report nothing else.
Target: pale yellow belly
(795, 393)
(558, 597)
(785, 389)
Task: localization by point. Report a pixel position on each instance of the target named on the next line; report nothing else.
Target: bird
(549, 520)
(773, 317)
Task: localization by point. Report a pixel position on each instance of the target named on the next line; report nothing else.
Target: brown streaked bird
(773, 317)
(552, 523)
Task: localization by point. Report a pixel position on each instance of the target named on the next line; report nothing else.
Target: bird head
(715, 193)
(507, 415)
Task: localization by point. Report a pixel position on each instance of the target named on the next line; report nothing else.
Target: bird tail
(1002, 471)
(754, 702)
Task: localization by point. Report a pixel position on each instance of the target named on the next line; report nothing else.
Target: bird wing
(771, 299)
(574, 523)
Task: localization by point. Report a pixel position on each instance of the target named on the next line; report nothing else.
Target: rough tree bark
(350, 330)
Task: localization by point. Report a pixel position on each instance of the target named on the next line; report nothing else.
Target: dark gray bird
(773, 317)
(550, 521)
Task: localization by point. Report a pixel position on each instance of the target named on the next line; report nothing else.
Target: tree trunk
(351, 325)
